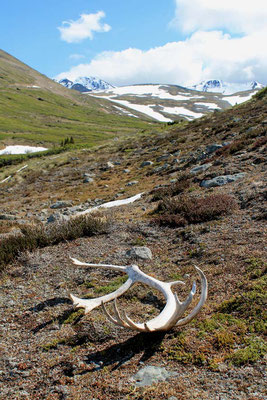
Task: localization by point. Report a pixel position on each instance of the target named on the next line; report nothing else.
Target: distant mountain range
(218, 86)
(166, 103)
(85, 84)
(90, 84)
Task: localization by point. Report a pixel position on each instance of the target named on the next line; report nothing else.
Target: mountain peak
(85, 84)
(217, 85)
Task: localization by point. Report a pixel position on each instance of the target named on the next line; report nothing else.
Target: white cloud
(203, 55)
(83, 28)
(208, 52)
(236, 16)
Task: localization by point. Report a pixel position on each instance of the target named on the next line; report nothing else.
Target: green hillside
(36, 110)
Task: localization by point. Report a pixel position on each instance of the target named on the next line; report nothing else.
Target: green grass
(24, 118)
(36, 110)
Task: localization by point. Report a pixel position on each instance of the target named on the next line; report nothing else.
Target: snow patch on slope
(111, 204)
(21, 149)
(233, 100)
(183, 112)
(144, 109)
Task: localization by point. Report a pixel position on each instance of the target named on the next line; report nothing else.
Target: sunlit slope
(35, 109)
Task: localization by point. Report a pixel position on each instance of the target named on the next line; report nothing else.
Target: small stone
(163, 157)
(131, 183)
(213, 147)
(146, 164)
(7, 217)
(87, 179)
(200, 168)
(142, 252)
(161, 168)
(108, 165)
(56, 217)
(150, 375)
(61, 204)
(126, 171)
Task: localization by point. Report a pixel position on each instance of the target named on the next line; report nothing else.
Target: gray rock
(107, 166)
(88, 179)
(131, 183)
(61, 204)
(146, 164)
(236, 119)
(161, 168)
(90, 175)
(163, 157)
(150, 375)
(126, 171)
(200, 168)
(56, 217)
(213, 147)
(7, 217)
(222, 180)
(142, 252)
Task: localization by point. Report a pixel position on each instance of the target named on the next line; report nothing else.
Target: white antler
(169, 316)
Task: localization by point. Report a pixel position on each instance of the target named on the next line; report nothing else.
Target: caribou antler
(169, 316)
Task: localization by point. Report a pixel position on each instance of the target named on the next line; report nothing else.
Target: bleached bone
(169, 316)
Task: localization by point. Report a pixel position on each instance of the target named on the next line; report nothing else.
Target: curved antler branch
(169, 316)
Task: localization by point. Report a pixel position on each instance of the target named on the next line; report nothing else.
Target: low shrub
(259, 142)
(38, 236)
(255, 350)
(261, 94)
(190, 210)
(183, 183)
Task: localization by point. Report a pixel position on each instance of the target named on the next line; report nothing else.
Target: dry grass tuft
(38, 236)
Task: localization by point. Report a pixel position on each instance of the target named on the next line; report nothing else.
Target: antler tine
(133, 325)
(117, 313)
(203, 297)
(112, 319)
(185, 304)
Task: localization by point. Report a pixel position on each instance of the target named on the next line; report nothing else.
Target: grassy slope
(50, 113)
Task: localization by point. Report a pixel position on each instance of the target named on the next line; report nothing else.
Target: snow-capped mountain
(85, 84)
(218, 86)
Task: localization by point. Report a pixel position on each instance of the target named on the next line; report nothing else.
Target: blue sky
(139, 41)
